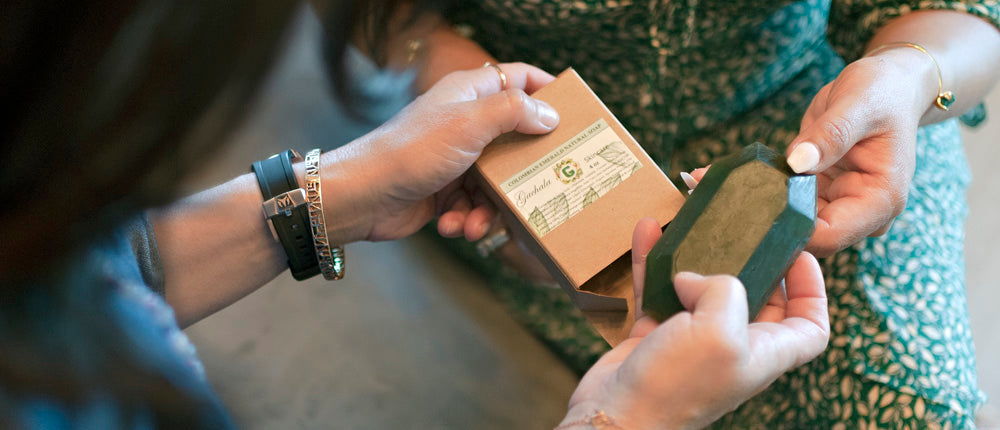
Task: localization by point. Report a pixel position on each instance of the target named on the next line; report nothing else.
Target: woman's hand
(412, 168)
(859, 138)
(698, 365)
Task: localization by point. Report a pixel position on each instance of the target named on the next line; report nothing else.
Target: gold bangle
(331, 258)
(944, 99)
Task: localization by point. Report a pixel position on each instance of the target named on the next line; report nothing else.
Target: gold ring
(503, 76)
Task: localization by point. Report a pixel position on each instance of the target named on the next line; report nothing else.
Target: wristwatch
(286, 212)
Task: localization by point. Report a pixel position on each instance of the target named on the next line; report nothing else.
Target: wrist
(639, 415)
(347, 214)
(587, 416)
(591, 415)
(919, 69)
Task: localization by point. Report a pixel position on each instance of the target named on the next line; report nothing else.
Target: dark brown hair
(109, 104)
(107, 97)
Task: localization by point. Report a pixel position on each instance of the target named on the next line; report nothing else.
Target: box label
(572, 176)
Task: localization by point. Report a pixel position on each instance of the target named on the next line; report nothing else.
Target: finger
(806, 291)
(534, 78)
(690, 288)
(831, 135)
(805, 331)
(721, 303)
(774, 310)
(511, 110)
(646, 233)
(778, 298)
(519, 75)
(452, 223)
(486, 81)
(852, 215)
(692, 179)
(479, 221)
(689, 180)
(700, 172)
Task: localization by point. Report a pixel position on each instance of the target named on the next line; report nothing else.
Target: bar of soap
(750, 217)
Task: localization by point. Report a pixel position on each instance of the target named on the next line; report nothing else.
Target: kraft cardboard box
(573, 197)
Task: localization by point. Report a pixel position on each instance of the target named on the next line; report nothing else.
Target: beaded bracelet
(331, 258)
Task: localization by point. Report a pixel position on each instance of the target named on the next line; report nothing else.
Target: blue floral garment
(120, 270)
(695, 80)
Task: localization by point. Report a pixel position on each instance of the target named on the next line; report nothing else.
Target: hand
(412, 168)
(859, 137)
(698, 365)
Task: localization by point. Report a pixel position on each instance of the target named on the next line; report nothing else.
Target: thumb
(824, 141)
(645, 235)
(718, 301)
(511, 110)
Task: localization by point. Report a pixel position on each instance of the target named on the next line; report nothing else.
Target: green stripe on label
(554, 156)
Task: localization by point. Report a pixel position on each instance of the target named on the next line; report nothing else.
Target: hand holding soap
(750, 217)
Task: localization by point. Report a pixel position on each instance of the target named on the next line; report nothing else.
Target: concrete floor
(411, 338)
(981, 255)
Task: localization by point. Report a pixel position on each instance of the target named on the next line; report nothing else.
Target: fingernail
(689, 180)
(687, 276)
(485, 228)
(448, 229)
(804, 157)
(547, 115)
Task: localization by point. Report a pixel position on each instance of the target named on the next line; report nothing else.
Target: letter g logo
(568, 171)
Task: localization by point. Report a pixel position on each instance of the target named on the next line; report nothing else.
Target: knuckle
(517, 102)
(838, 130)
(453, 77)
(516, 64)
(729, 282)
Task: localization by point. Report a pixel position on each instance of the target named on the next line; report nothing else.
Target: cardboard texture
(583, 234)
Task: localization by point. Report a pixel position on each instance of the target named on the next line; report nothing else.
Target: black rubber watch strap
(276, 176)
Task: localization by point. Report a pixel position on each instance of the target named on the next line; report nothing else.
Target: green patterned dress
(693, 80)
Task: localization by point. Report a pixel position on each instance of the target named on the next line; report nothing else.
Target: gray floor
(982, 257)
(411, 339)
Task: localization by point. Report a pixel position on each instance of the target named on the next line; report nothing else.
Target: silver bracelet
(331, 258)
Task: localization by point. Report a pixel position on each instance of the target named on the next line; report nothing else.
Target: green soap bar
(750, 217)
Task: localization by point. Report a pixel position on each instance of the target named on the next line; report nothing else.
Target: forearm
(216, 245)
(216, 248)
(966, 48)
(447, 51)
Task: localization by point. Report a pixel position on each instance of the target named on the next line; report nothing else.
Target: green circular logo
(568, 171)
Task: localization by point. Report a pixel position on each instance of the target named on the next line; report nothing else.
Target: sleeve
(854, 22)
(143, 240)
